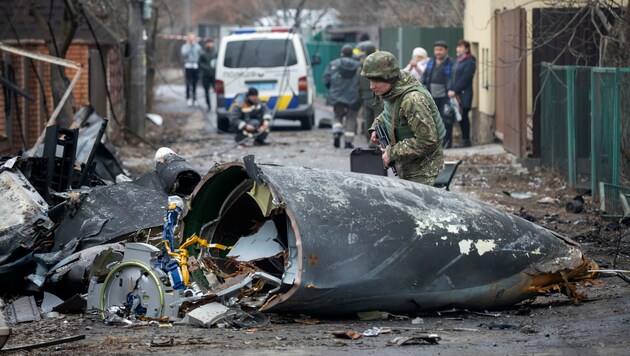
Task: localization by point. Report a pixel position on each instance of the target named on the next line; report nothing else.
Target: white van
(273, 60)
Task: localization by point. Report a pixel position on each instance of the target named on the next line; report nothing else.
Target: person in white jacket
(418, 62)
(191, 51)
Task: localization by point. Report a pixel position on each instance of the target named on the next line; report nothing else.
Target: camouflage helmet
(382, 66)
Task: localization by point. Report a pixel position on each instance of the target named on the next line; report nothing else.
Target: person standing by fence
(191, 51)
(437, 79)
(463, 73)
(418, 62)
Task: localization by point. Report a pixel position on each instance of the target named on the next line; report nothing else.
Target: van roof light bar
(246, 30)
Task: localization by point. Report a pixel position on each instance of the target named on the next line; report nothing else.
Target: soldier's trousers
(348, 129)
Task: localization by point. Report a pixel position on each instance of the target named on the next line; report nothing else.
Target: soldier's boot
(337, 138)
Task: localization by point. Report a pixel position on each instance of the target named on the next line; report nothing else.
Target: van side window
(259, 53)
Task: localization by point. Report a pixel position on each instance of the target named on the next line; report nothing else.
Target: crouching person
(250, 117)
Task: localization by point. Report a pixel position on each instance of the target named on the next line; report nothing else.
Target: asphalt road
(550, 325)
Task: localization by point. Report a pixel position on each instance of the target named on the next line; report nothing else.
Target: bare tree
(58, 44)
(426, 13)
(390, 13)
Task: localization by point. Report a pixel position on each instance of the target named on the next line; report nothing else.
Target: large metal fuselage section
(358, 242)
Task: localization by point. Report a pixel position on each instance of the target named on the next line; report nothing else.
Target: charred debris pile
(171, 246)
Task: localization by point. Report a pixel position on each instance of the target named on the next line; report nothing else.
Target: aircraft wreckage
(297, 239)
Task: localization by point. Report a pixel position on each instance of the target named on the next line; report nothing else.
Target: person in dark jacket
(463, 73)
(207, 64)
(341, 79)
(250, 117)
(437, 79)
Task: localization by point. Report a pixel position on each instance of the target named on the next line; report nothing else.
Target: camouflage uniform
(416, 138)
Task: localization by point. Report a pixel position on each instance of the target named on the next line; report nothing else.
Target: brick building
(23, 119)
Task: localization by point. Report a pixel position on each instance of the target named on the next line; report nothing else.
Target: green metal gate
(581, 115)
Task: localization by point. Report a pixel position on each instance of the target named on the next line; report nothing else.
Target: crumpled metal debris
(164, 341)
(23, 310)
(72, 274)
(430, 339)
(24, 220)
(379, 315)
(500, 326)
(35, 236)
(207, 315)
(50, 302)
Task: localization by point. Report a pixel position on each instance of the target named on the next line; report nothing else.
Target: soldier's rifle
(383, 139)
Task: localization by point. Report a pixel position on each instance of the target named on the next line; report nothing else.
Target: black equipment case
(367, 161)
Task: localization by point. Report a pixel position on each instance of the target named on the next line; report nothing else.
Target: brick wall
(35, 114)
(81, 90)
(15, 131)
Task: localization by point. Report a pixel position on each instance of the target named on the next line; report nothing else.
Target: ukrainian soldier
(410, 118)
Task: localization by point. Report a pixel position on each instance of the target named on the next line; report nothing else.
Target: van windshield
(259, 53)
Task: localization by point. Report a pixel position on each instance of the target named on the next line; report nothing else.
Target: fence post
(593, 94)
(616, 128)
(571, 155)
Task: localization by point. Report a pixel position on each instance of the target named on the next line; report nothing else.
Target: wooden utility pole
(136, 100)
(187, 15)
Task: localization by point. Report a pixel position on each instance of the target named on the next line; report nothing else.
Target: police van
(274, 61)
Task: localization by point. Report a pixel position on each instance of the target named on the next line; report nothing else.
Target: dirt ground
(548, 325)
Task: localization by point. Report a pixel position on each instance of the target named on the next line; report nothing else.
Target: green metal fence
(327, 52)
(581, 116)
(402, 40)
(398, 40)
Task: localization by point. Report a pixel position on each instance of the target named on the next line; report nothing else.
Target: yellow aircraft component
(182, 253)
